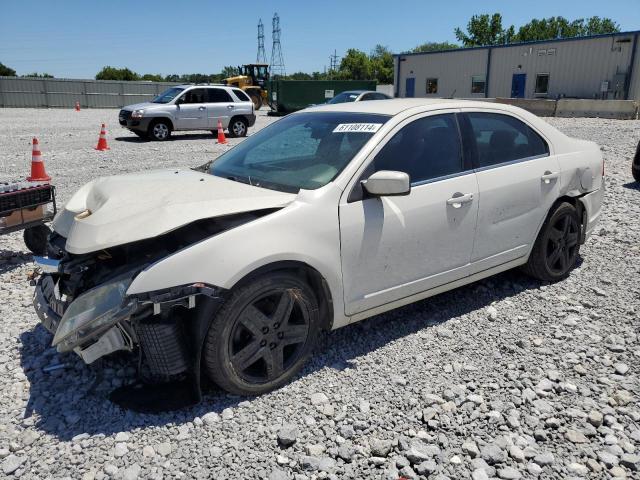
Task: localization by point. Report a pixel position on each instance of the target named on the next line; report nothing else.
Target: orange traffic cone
(102, 141)
(77, 106)
(38, 173)
(221, 137)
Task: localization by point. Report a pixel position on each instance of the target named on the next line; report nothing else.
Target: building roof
(533, 42)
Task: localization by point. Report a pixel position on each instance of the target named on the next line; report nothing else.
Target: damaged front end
(82, 300)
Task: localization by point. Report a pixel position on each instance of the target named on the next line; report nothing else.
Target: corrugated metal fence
(64, 93)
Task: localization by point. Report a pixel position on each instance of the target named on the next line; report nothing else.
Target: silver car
(190, 107)
(358, 96)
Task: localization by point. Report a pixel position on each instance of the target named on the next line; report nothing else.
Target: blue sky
(76, 38)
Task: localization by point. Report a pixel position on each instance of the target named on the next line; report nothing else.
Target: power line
(277, 60)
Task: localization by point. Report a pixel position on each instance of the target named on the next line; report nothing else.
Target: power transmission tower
(262, 56)
(333, 63)
(277, 60)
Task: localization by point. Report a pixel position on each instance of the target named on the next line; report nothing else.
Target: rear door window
(218, 95)
(241, 95)
(502, 138)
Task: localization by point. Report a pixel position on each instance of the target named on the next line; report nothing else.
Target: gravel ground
(504, 378)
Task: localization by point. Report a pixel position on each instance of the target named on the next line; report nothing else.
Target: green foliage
(381, 60)
(355, 65)
(112, 73)
(554, 27)
(152, 77)
(299, 76)
(488, 29)
(433, 47)
(6, 71)
(484, 29)
(37, 75)
(229, 71)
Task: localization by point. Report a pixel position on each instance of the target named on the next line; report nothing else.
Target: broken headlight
(94, 312)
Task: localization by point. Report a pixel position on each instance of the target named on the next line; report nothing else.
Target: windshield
(168, 95)
(344, 97)
(303, 150)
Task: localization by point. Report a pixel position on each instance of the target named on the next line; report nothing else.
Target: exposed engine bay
(82, 301)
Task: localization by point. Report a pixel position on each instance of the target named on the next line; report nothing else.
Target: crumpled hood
(128, 208)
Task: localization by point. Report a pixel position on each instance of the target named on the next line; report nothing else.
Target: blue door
(518, 83)
(410, 87)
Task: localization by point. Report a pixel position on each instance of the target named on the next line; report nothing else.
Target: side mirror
(387, 183)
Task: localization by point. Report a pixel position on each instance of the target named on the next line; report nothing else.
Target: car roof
(395, 106)
(202, 85)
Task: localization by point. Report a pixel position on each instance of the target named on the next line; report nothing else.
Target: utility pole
(277, 60)
(333, 63)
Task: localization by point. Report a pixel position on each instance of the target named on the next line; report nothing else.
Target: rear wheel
(256, 98)
(159, 130)
(263, 334)
(556, 249)
(238, 127)
(35, 238)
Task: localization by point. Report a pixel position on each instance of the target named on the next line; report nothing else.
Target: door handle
(230, 107)
(202, 108)
(548, 176)
(459, 199)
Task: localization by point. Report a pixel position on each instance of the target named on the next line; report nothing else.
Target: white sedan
(326, 217)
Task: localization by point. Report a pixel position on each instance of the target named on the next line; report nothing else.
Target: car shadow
(10, 260)
(182, 136)
(72, 401)
(632, 185)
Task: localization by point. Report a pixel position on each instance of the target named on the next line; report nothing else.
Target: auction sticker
(357, 128)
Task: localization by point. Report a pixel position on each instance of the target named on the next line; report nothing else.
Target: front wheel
(556, 249)
(263, 335)
(159, 130)
(238, 127)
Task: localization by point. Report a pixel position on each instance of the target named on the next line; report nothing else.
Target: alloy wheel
(239, 128)
(160, 131)
(269, 336)
(562, 244)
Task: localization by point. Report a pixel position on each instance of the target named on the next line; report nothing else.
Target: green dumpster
(286, 96)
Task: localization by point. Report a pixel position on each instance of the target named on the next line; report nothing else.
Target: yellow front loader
(252, 79)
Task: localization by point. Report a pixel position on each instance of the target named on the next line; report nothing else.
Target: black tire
(256, 98)
(557, 247)
(35, 238)
(238, 127)
(635, 165)
(142, 135)
(270, 318)
(159, 130)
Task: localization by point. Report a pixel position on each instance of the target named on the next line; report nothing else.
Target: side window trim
(472, 148)
(356, 192)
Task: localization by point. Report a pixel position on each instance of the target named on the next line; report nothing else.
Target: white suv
(326, 217)
(190, 107)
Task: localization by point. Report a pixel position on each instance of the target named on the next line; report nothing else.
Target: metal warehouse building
(594, 67)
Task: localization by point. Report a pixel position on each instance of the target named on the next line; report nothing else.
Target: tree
(381, 60)
(299, 76)
(112, 73)
(355, 65)
(560, 27)
(485, 30)
(229, 71)
(37, 75)
(152, 77)
(433, 47)
(6, 71)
